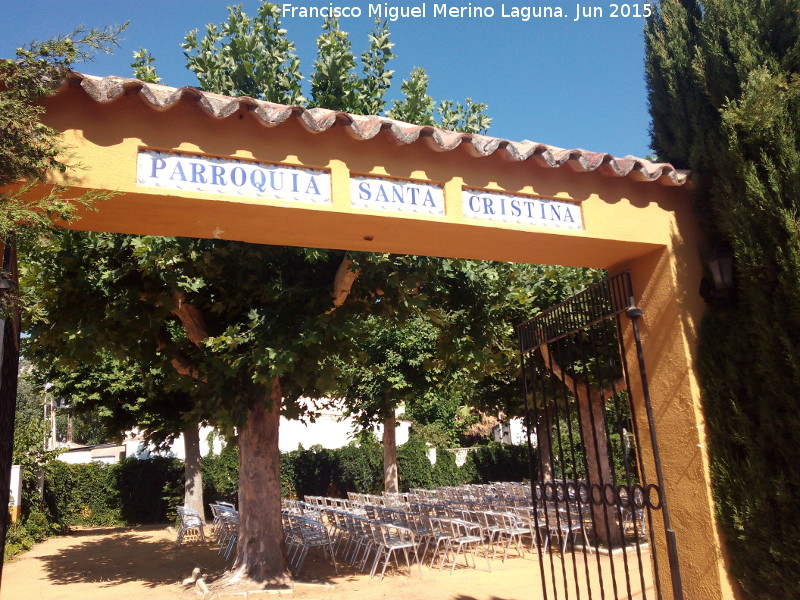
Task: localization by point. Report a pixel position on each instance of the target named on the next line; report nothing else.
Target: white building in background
(136, 445)
(104, 453)
(512, 431)
(330, 429)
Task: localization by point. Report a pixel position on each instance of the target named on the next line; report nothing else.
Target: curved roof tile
(360, 127)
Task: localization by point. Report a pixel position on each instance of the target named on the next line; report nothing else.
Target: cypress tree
(724, 92)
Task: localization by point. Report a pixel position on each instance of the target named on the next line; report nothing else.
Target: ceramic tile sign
(525, 210)
(231, 177)
(396, 195)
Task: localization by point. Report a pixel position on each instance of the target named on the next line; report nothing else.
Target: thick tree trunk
(260, 552)
(599, 465)
(193, 489)
(591, 403)
(390, 453)
(9, 367)
(544, 444)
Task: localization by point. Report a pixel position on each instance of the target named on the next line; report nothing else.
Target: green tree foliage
(110, 396)
(144, 67)
(377, 78)
(246, 56)
(102, 352)
(392, 367)
(252, 56)
(30, 431)
(468, 118)
(334, 83)
(724, 85)
(29, 149)
(488, 299)
(416, 106)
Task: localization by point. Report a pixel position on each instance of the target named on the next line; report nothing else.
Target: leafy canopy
(30, 149)
(252, 56)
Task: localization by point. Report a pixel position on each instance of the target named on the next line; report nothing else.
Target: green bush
(149, 490)
(445, 472)
(37, 526)
(80, 495)
(359, 468)
(501, 462)
(287, 476)
(313, 472)
(131, 491)
(221, 475)
(18, 540)
(20, 536)
(414, 470)
(468, 470)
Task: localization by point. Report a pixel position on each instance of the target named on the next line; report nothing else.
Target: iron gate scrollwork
(597, 487)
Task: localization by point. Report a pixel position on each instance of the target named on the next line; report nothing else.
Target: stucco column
(665, 284)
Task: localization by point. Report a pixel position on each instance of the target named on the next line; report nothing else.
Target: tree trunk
(591, 403)
(390, 452)
(260, 552)
(193, 489)
(9, 368)
(599, 465)
(544, 444)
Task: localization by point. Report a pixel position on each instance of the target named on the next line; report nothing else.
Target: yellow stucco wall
(645, 227)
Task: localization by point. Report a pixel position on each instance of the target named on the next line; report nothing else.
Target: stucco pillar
(665, 284)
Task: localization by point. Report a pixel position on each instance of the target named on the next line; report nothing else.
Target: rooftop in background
(317, 120)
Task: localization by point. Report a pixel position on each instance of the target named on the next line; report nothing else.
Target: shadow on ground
(127, 555)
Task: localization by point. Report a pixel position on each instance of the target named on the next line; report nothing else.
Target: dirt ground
(143, 564)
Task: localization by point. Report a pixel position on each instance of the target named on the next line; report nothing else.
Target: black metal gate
(596, 477)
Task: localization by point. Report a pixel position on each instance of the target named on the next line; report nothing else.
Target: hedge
(132, 491)
(359, 468)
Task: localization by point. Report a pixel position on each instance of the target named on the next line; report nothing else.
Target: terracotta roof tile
(317, 120)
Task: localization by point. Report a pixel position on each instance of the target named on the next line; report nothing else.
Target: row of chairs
(564, 493)
(449, 531)
(359, 538)
(504, 520)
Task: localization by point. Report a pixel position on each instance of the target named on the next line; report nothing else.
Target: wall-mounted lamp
(720, 265)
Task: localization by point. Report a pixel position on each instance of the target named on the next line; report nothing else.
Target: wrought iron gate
(597, 486)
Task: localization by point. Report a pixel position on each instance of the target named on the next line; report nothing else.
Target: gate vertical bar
(530, 455)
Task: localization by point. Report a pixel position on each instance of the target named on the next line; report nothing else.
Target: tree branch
(575, 386)
(180, 363)
(191, 318)
(343, 282)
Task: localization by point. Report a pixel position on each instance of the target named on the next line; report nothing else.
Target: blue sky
(574, 84)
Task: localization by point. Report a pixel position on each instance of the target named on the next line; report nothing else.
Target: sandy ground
(143, 563)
